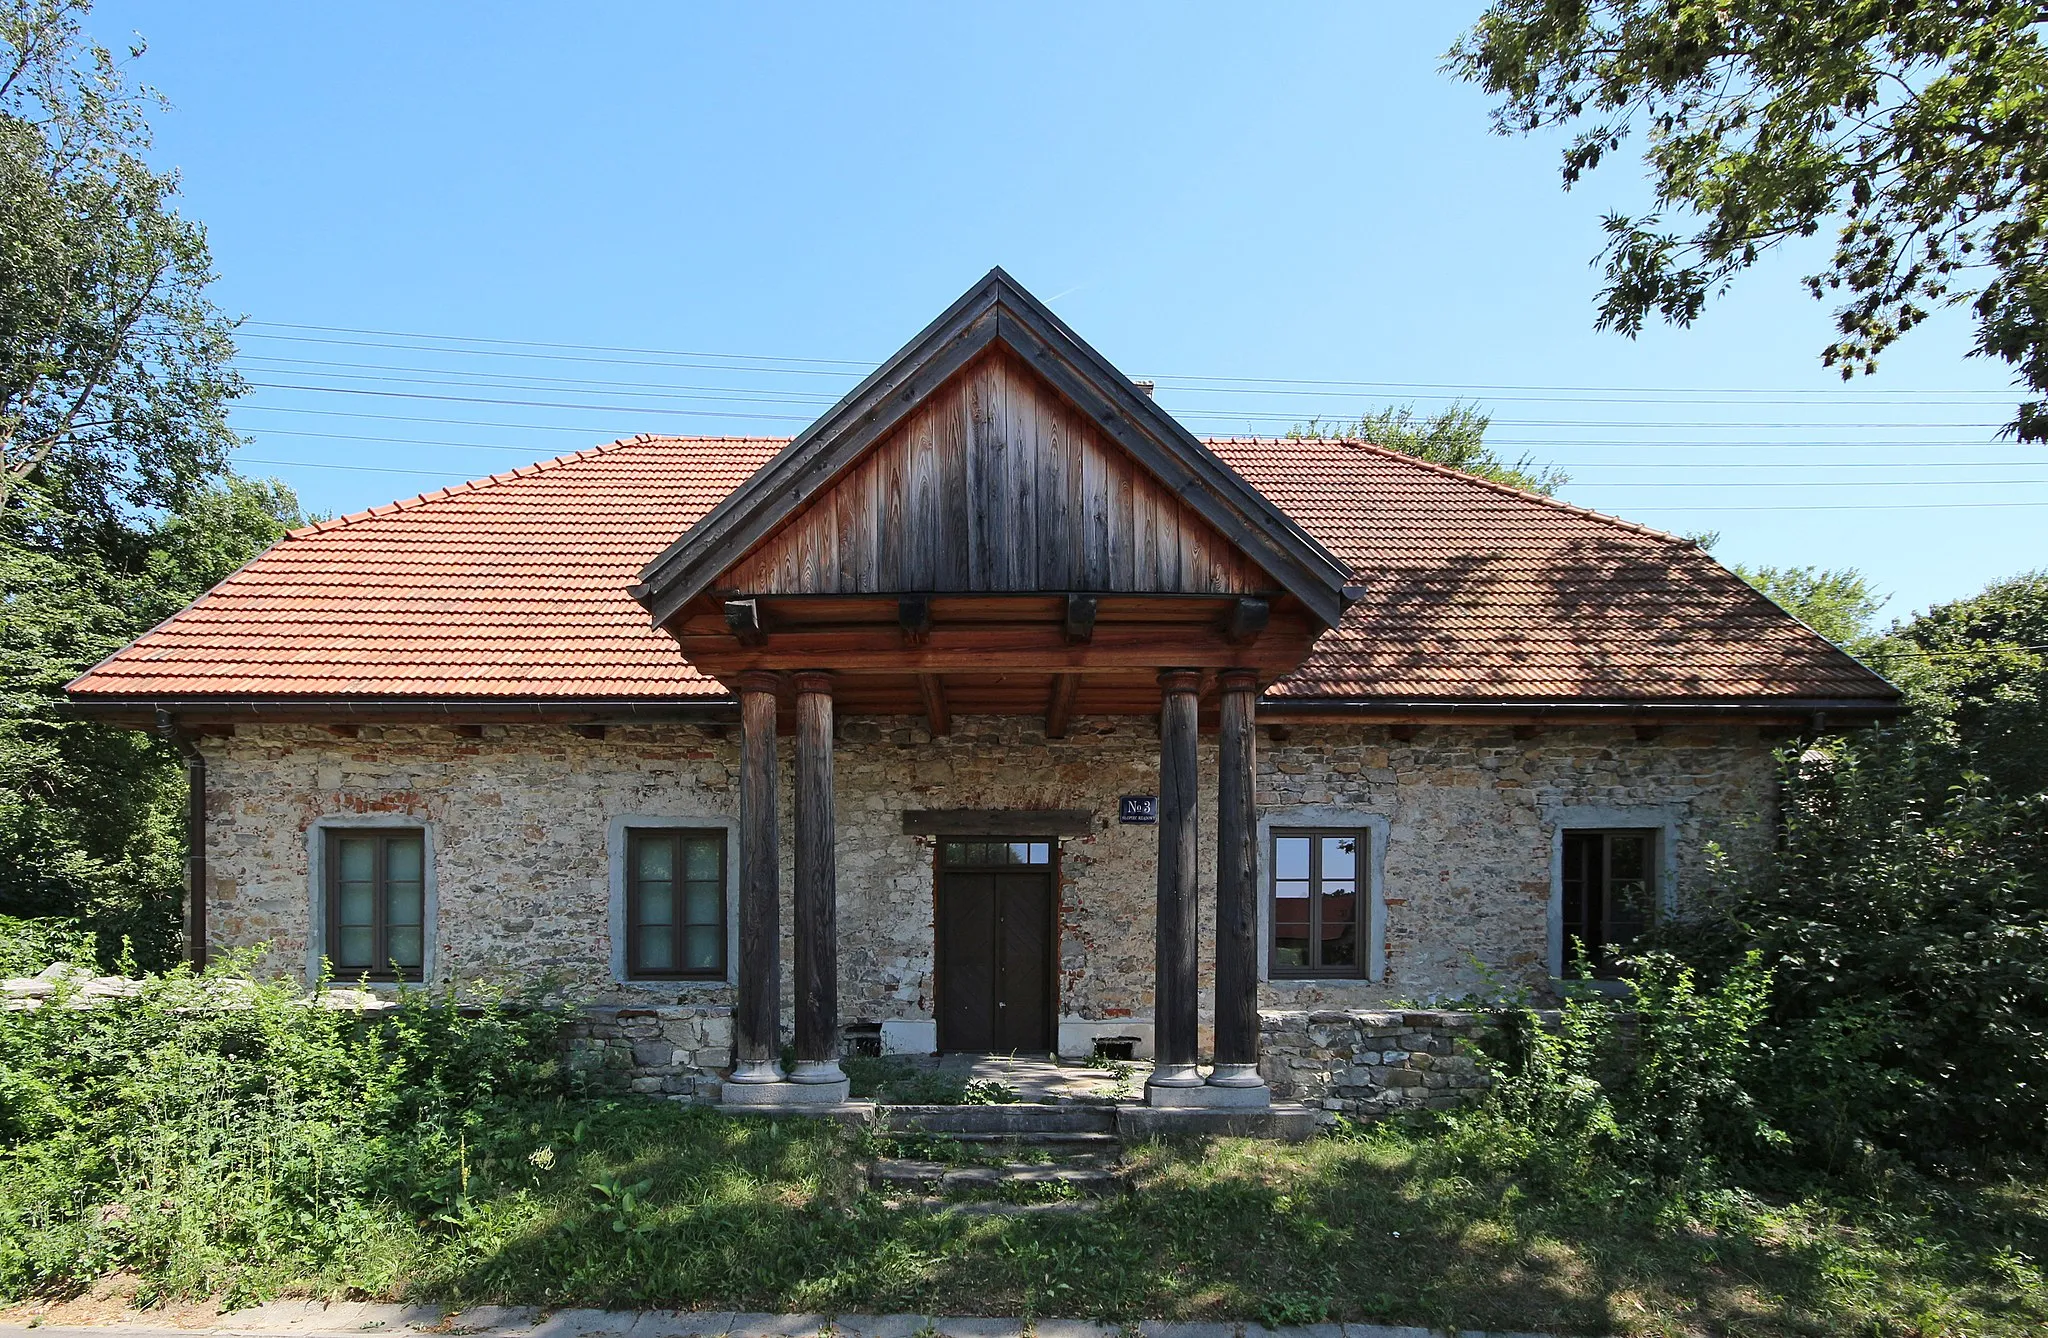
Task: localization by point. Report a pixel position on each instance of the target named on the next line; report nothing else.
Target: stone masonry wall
(1365, 1063)
(668, 1050)
(521, 818)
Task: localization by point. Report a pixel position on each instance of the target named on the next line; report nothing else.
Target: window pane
(657, 904)
(1020, 852)
(1631, 891)
(405, 946)
(700, 858)
(1290, 902)
(954, 852)
(1041, 852)
(1340, 936)
(402, 859)
(357, 857)
(654, 858)
(700, 903)
(1581, 869)
(702, 947)
(657, 947)
(1340, 858)
(356, 904)
(404, 904)
(1628, 856)
(354, 947)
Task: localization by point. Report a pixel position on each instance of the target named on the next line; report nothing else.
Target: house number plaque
(1138, 808)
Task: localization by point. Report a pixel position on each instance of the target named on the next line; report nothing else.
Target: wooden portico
(999, 522)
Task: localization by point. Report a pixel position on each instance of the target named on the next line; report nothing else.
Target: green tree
(1454, 437)
(1837, 603)
(90, 815)
(1977, 669)
(1917, 131)
(114, 367)
(116, 507)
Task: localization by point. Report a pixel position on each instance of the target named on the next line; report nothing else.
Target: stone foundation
(1365, 1064)
(675, 1050)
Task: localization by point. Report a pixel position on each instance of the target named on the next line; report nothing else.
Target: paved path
(354, 1319)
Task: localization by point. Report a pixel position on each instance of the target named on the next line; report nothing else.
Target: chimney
(1145, 387)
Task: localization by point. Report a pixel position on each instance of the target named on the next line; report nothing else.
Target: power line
(1575, 465)
(697, 413)
(861, 367)
(561, 357)
(549, 343)
(1874, 506)
(458, 376)
(461, 378)
(1816, 483)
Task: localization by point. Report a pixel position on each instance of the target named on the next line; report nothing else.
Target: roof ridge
(1526, 494)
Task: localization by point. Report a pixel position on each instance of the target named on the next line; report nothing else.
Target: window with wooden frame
(1610, 894)
(377, 902)
(675, 903)
(1318, 898)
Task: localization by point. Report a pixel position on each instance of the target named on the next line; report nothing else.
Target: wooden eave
(997, 310)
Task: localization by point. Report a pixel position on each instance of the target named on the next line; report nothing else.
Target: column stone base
(784, 1095)
(1209, 1096)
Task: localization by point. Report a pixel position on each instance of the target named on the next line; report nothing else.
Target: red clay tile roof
(515, 587)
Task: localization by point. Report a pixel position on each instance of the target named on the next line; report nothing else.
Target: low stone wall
(670, 1050)
(1368, 1063)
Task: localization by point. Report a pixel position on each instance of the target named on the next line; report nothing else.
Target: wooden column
(757, 1014)
(1237, 904)
(817, 918)
(1174, 999)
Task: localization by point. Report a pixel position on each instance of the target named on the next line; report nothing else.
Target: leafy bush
(211, 1130)
(28, 946)
(1648, 1087)
(1907, 933)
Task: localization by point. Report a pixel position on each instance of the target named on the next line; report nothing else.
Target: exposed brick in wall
(521, 818)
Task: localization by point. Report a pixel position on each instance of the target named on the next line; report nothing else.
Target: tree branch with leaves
(1917, 130)
(115, 369)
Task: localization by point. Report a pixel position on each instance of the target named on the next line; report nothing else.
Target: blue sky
(708, 218)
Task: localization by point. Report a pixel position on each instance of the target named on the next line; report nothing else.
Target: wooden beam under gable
(1248, 618)
(743, 620)
(938, 718)
(1080, 620)
(1059, 708)
(914, 616)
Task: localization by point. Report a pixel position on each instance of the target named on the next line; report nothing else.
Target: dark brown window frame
(1653, 875)
(635, 836)
(1361, 903)
(381, 927)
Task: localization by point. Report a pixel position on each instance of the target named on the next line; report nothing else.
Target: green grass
(644, 1204)
(901, 1083)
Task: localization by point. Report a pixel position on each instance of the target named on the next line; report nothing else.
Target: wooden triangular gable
(996, 452)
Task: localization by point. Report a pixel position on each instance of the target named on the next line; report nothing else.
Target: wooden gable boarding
(994, 510)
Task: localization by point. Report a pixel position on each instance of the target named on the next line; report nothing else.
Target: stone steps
(1011, 1121)
(930, 1176)
(1054, 1139)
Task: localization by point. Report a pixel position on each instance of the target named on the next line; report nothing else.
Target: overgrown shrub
(1905, 923)
(214, 1129)
(29, 946)
(1648, 1087)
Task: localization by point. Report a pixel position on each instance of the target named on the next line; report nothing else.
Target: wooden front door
(995, 946)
